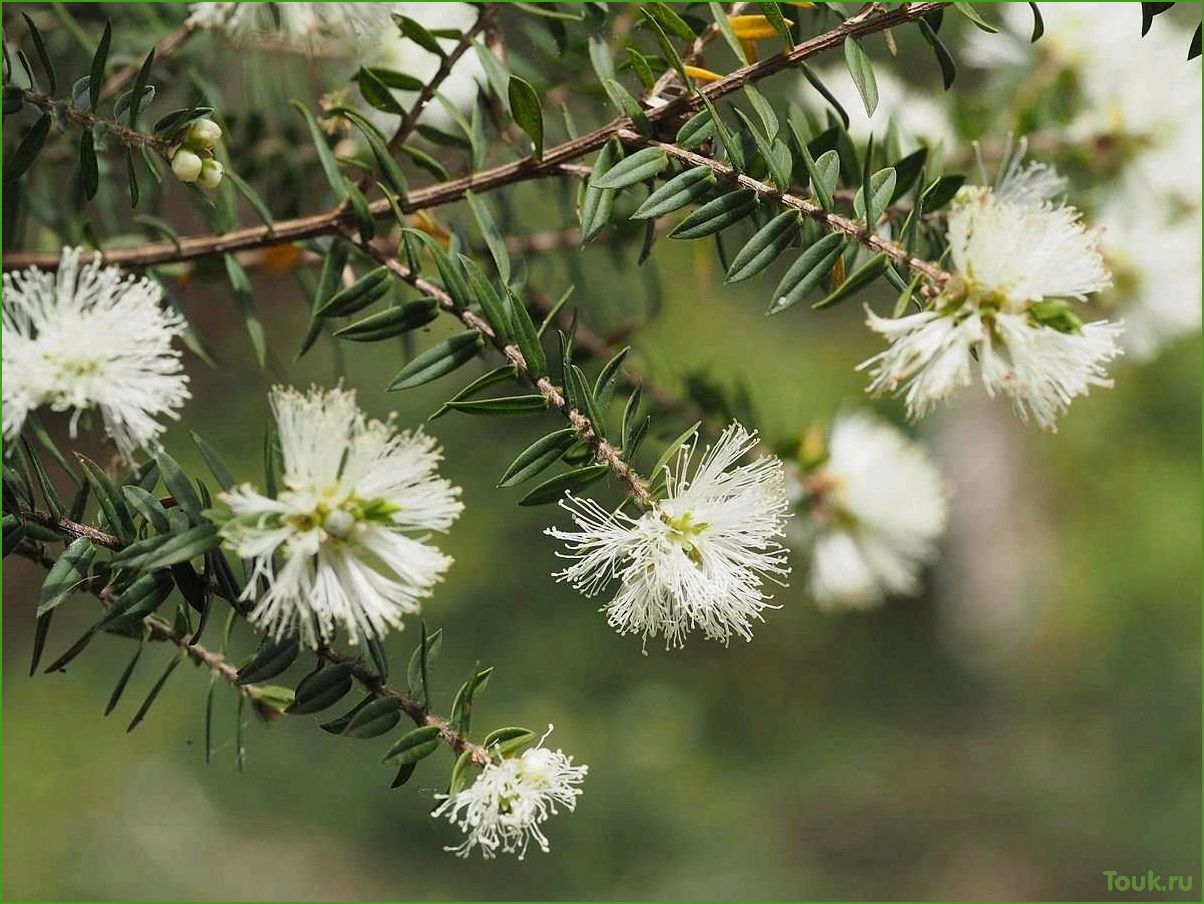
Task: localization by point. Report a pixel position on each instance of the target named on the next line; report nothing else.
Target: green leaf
(1039, 23)
(907, 171)
(240, 284)
(438, 360)
(377, 93)
(671, 450)
(825, 175)
(553, 489)
(322, 689)
(216, 466)
(393, 79)
(882, 189)
(66, 575)
(389, 170)
(418, 33)
(426, 161)
(272, 658)
(491, 304)
(716, 214)
(148, 507)
(667, 47)
(505, 405)
(764, 110)
(941, 192)
(195, 541)
(140, 88)
(126, 674)
(631, 412)
(176, 121)
(696, 130)
(453, 279)
(669, 20)
(509, 740)
(494, 239)
(608, 378)
(137, 601)
(391, 322)
(817, 83)
(330, 166)
(626, 104)
(862, 71)
(132, 177)
(684, 188)
(179, 486)
(525, 107)
(365, 291)
(154, 693)
(773, 13)
(502, 374)
(968, 10)
(378, 717)
(858, 279)
(719, 15)
(812, 267)
(99, 60)
(332, 277)
(642, 165)
(111, 502)
(461, 711)
(526, 336)
(418, 669)
(731, 144)
(414, 746)
(458, 779)
(17, 162)
(943, 57)
(43, 56)
(779, 166)
(581, 398)
(538, 456)
(597, 203)
(764, 247)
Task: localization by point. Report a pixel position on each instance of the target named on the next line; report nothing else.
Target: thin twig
(166, 48)
(123, 134)
(506, 174)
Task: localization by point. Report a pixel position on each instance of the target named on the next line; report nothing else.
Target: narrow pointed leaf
(764, 247)
(807, 272)
(438, 360)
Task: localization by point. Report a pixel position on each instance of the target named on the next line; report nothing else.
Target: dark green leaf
(330, 166)
(126, 674)
(391, 322)
(322, 689)
(414, 745)
(525, 107)
(553, 489)
(943, 57)
(17, 162)
(43, 56)
(506, 405)
(764, 247)
(99, 60)
(137, 601)
(970, 12)
(716, 214)
(671, 450)
(719, 15)
(366, 290)
(272, 658)
(438, 360)
(111, 502)
(494, 239)
(858, 279)
(418, 33)
(154, 692)
(240, 285)
(179, 486)
(882, 189)
(89, 171)
(376, 93)
(378, 717)
(389, 170)
(696, 130)
(491, 303)
(669, 20)
(608, 378)
(527, 337)
(941, 192)
(68, 574)
(684, 188)
(538, 456)
(597, 203)
(1039, 23)
(812, 267)
(641, 165)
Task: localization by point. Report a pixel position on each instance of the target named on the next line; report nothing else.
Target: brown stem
(831, 221)
(87, 120)
(603, 451)
(369, 679)
(705, 37)
(506, 174)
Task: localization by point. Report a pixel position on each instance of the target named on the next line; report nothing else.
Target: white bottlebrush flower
(403, 55)
(871, 514)
(1017, 256)
(1156, 261)
(505, 808)
(333, 548)
(917, 114)
(698, 559)
(91, 337)
(304, 27)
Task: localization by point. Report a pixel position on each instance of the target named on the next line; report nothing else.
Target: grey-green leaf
(538, 456)
(525, 106)
(643, 164)
(764, 247)
(391, 322)
(684, 188)
(862, 71)
(716, 214)
(858, 279)
(807, 272)
(554, 488)
(438, 360)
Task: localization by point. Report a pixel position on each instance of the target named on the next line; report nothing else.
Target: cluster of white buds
(193, 159)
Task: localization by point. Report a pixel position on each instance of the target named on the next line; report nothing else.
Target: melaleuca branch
(86, 120)
(372, 681)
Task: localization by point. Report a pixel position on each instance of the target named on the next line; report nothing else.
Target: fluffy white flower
(873, 512)
(403, 55)
(91, 337)
(302, 27)
(1156, 261)
(504, 809)
(916, 114)
(353, 489)
(698, 559)
(1016, 256)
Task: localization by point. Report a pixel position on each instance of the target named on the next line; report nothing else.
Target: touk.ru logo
(1147, 881)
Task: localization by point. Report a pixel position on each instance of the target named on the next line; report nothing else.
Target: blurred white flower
(91, 337)
(403, 55)
(920, 116)
(504, 809)
(352, 489)
(697, 560)
(1016, 257)
(871, 514)
(304, 27)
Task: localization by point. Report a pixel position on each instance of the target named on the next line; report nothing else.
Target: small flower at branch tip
(333, 549)
(1018, 257)
(872, 506)
(203, 134)
(91, 337)
(698, 560)
(211, 174)
(504, 809)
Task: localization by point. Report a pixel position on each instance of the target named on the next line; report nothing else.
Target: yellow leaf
(702, 75)
(753, 28)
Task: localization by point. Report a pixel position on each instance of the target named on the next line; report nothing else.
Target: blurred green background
(1030, 722)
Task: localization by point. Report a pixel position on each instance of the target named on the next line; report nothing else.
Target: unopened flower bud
(211, 174)
(203, 134)
(186, 166)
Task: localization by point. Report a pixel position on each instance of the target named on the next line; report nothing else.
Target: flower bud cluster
(193, 159)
